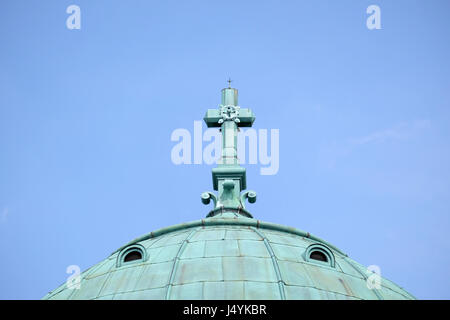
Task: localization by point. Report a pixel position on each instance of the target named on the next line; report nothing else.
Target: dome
(228, 256)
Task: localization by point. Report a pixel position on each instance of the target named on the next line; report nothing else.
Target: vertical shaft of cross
(229, 127)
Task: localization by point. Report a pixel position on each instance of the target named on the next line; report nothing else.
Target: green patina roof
(228, 255)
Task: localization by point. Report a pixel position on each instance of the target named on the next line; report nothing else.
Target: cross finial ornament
(229, 178)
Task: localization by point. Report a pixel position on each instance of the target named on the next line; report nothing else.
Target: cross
(229, 178)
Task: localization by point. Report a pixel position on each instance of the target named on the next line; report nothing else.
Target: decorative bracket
(250, 196)
(207, 196)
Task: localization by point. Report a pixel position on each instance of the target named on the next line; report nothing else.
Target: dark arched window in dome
(133, 255)
(317, 255)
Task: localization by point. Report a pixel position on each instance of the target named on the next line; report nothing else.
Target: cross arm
(212, 117)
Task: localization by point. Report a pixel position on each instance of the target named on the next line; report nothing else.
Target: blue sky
(86, 118)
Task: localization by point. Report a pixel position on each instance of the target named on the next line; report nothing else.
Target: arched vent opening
(319, 254)
(132, 254)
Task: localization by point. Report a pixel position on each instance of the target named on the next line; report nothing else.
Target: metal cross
(229, 178)
(229, 82)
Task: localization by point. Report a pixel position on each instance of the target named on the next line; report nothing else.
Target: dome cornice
(229, 219)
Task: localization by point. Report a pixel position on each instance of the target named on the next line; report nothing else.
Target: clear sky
(86, 118)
